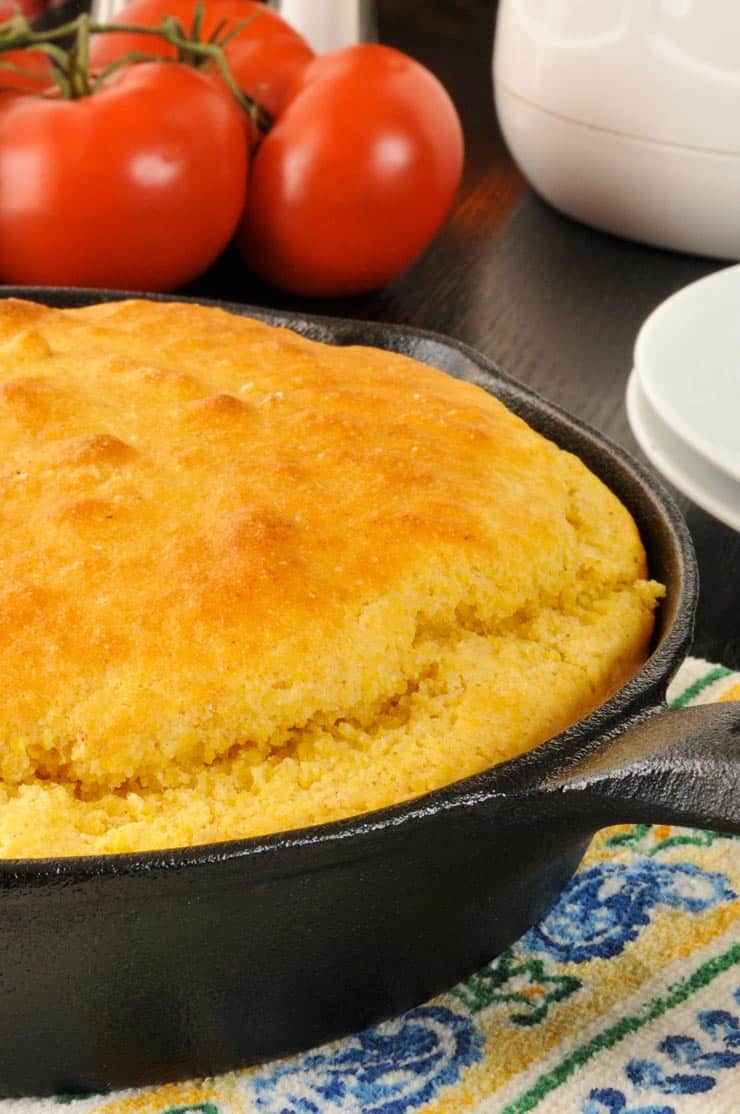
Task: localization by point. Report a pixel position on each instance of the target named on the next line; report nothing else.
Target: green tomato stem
(127, 60)
(71, 66)
(82, 57)
(196, 31)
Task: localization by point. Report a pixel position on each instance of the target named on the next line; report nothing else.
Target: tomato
(28, 70)
(356, 176)
(264, 58)
(266, 68)
(138, 186)
(28, 8)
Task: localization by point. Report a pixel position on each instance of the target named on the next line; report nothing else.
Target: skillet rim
(632, 703)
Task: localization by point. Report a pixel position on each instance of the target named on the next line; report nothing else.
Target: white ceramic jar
(329, 24)
(626, 114)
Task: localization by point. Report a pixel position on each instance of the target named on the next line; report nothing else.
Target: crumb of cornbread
(251, 582)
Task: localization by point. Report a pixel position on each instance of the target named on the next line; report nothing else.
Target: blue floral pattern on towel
(388, 1069)
(607, 905)
(686, 1065)
(681, 1065)
(607, 1100)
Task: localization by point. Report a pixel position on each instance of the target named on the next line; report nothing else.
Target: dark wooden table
(554, 303)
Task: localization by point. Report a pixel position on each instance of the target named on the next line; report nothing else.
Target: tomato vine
(70, 64)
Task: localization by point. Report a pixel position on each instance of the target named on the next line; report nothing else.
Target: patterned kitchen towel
(625, 999)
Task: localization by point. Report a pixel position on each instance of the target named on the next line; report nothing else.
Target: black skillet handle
(678, 767)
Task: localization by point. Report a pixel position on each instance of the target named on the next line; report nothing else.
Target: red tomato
(28, 70)
(138, 186)
(264, 58)
(28, 8)
(356, 177)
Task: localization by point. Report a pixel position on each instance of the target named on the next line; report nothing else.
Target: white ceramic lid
(665, 70)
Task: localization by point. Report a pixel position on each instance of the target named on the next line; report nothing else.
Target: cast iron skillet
(128, 969)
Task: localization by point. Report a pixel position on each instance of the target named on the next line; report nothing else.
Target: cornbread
(251, 582)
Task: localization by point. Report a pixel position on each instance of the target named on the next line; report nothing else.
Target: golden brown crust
(245, 568)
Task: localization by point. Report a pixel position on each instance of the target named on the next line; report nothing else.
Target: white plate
(687, 357)
(705, 485)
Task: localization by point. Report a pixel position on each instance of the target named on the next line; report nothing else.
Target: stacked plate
(683, 397)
